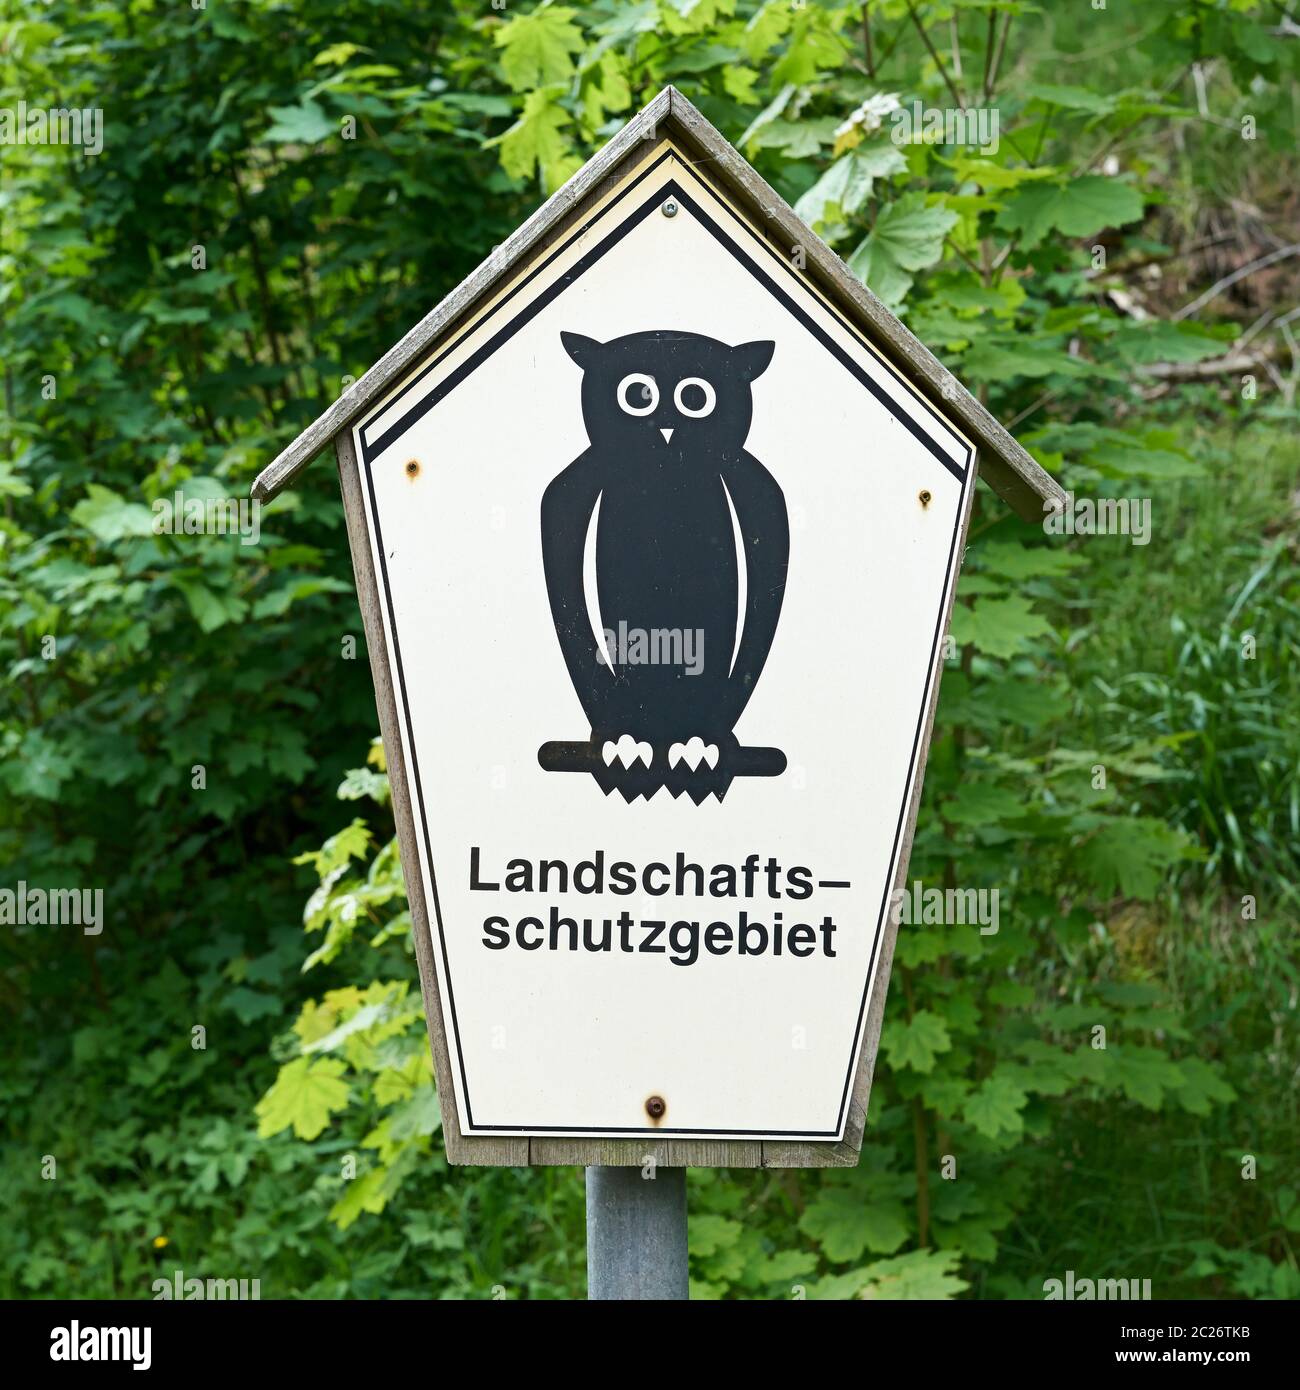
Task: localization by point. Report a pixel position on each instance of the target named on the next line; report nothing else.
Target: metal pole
(636, 1233)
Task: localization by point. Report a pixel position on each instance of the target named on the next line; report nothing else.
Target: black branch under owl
(692, 545)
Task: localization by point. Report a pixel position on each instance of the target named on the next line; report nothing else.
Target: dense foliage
(283, 189)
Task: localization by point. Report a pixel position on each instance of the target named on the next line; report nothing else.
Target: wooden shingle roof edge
(1004, 464)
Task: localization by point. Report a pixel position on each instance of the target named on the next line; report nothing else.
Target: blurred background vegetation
(343, 165)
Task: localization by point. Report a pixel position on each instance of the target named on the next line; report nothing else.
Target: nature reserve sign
(662, 547)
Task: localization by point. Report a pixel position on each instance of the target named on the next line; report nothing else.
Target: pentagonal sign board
(664, 549)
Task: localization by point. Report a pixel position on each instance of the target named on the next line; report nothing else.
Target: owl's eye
(638, 394)
(694, 397)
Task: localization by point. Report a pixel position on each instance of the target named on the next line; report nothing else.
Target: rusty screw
(412, 469)
(924, 497)
(655, 1107)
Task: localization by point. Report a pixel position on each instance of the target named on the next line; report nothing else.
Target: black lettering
(802, 935)
(688, 953)
(827, 928)
(720, 931)
(749, 869)
(798, 883)
(596, 865)
(556, 923)
(544, 875)
(496, 938)
(742, 936)
(683, 869)
(475, 885)
(722, 882)
(773, 870)
(645, 879)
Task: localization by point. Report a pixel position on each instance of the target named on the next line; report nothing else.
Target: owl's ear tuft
(580, 348)
(752, 358)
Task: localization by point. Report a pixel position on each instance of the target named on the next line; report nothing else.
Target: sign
(656, 521)
(664, 550)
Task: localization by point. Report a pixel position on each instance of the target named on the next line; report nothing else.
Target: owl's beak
(667, 434)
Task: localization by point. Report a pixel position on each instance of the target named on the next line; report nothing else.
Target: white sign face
(663, 549)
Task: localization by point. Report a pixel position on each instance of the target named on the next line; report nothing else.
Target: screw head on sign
(669, 209)
(655, 1107)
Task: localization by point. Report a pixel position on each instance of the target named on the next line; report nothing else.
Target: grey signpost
(636, 1233)
(736, 1025)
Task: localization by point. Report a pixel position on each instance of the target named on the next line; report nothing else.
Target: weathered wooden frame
(677, 1153)
(1005, 465)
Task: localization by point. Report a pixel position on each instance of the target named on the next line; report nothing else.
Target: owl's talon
(695, 751)
(627, 750)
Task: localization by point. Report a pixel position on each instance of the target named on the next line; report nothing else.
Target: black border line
(395, 432)
(370, 453)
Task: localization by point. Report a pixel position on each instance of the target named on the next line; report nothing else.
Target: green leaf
(989, 174)
(993, 1109)
(907, 236)
(1000, 627)
(926, 1275)
(1001, 361)
(363, 1193)
(306, 1093)
(1078, 208)
(1071, 98)
(1201, 1087)
(211, 609)
(538, 48)
(535, 142)
(982, 803)
(1157, 340)
(1142, 1073)
(362, 1019)
(811, 48)
(845, 1222)
(305, 124)
(1137, 459)
(1131, 856)
(917, 1045)
(708, 1234)
(847, 184)
(802, 139)
(110, 517)
(417, 1117)
(1018, 562)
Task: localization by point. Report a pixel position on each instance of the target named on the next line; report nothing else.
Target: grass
(1167, 1195)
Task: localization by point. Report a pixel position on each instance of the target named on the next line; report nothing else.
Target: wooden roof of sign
(1003, 463)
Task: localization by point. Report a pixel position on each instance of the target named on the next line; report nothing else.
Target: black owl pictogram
(692, 543)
